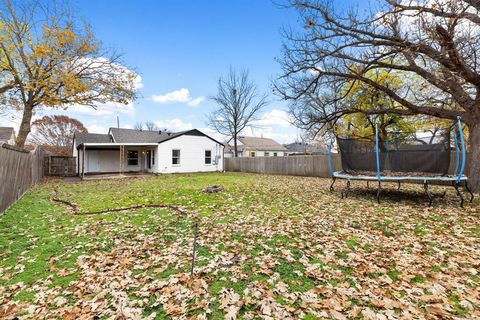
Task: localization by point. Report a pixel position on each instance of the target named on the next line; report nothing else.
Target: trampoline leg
(398, 185)
(347, 190)
(430, 198)
(378, 191)
(459, 194)
(368, 185)
(469, 191)
(333, 182)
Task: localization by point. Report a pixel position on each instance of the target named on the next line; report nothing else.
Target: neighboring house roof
(6, 133)
(228, 148)
(300, 147)
(120, 135)
(81, 138)
(259, 144)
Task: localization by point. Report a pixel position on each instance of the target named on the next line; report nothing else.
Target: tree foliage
(239, 102)
(48, 58)
(433, 43)
(55, 133)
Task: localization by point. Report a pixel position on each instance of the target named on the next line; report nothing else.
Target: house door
(148, 158)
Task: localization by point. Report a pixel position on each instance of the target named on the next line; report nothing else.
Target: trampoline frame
(457, 180)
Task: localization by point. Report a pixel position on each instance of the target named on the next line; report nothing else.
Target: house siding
(192, 155)
(261, 153)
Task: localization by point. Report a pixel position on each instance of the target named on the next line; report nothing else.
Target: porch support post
(122, 159)
(83, 161)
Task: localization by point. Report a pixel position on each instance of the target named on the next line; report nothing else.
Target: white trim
(205, 157)
(179, 157)
(110, 134)
(138, 158)
(97, 144)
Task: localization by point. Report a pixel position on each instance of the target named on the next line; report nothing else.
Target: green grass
(261, 234)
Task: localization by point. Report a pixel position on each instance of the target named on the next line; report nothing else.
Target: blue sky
(180, 48)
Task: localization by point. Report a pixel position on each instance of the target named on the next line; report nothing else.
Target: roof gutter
(113, 144)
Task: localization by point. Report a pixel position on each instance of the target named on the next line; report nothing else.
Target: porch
(116, 158)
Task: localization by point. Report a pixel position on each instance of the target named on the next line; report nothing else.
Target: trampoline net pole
(464, 151)
(376, 152)
(457, 154)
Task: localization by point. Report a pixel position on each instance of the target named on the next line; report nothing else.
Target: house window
(208, 156)
(132, 157)
(267, 154)
(175, 157)
(274, 154)
(252, 154)
(153, 157)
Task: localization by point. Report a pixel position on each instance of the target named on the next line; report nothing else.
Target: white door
(93, 161)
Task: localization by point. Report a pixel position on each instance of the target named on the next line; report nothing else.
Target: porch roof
(99, 145)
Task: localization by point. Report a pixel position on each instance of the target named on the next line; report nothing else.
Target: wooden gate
(60, 166)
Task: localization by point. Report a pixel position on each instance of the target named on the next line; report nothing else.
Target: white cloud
(106, 109)
(214, 134)
(275, 117)
(195, 102)
(173, 125)
(181, 95)
(95, 128)
(274, 124)
(138, 84)
(10, 119)
(178, 96)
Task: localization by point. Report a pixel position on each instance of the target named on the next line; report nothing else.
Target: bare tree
(238, 102)
(150, 125)
(48, 58)
(434, 44)
(138, 126)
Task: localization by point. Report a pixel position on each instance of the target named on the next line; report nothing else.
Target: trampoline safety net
(421, 153)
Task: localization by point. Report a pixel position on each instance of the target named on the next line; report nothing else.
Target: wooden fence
(314, 166)
(19, 169)
(60, 166)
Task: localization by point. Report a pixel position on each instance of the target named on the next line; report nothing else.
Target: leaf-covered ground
(269, 247)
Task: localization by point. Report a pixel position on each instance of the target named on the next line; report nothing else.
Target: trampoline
(403, 157)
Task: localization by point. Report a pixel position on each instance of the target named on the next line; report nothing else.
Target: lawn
(268, 247)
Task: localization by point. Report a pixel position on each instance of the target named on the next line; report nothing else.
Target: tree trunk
(24, 126)
(473, 158)
(235, 151)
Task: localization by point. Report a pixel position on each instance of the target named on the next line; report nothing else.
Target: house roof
(117, 136)
(6, 133)
(300, 147)
(255, 143)
(81, 138)
(121, 135)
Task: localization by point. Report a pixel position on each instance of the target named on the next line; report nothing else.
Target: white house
(256, 147)
(7, 135)
(129, 150)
